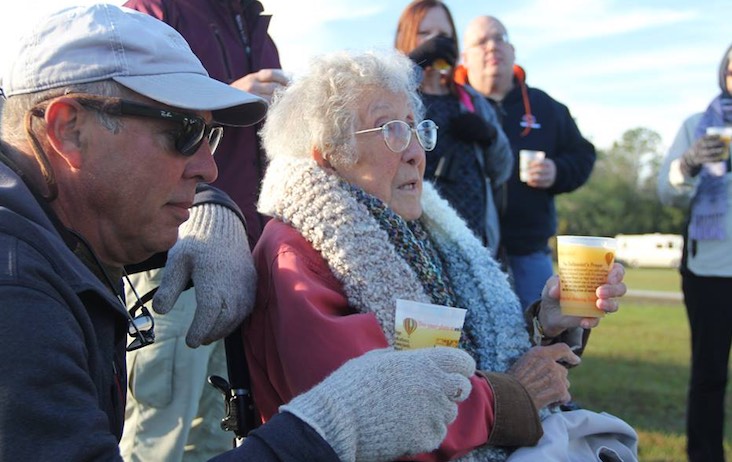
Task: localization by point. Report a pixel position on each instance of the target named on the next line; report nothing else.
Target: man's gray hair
(15, 108)
(318, 110)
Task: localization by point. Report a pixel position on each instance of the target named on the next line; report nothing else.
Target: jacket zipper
(222, 48)
(244, 38)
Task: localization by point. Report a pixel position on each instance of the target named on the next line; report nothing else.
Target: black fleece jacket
(530, 217)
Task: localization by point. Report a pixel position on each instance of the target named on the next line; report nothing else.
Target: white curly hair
(318, 109)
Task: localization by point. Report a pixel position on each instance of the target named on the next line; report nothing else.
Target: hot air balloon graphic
(609, 257)
(410, 325)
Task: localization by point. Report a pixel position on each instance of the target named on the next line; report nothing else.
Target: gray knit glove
(212, 251)
(387, 404)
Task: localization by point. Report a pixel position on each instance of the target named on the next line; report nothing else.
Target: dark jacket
(62, 356)
(232, 43)
(62, 363)
(530, 218)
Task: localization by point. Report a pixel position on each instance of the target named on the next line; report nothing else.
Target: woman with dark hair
(473, 157)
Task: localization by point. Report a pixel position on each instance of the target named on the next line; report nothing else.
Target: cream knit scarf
(358, 251)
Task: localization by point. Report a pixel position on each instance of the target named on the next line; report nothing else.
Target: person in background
(168, 380)
(355, 228)
(531, 120)
(100, 160)
(695, 176)
(472, 156)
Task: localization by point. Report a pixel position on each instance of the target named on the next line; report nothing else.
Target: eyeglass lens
(194, 132)
(398, 134)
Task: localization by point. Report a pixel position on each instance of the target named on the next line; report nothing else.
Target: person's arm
(50, 401)
(498, 158)
(547, 325)
(301, 292)
(575, 156)
(283, 438)
(675, 186)
(154, 8)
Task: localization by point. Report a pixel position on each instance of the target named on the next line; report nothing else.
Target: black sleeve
(575, 156)
(284, 438)
(205, 194)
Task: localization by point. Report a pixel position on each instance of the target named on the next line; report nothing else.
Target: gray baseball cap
(99, 42)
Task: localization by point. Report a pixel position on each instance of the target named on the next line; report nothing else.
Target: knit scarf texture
(710, 203)
(440, 261)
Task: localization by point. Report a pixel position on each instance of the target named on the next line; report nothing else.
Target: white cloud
(541, 24)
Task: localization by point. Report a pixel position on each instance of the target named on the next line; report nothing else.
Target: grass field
(662, 279)
(637, 367)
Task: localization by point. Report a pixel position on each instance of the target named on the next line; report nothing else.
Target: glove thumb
(174, 282)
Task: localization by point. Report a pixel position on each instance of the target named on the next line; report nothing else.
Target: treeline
(620, 196)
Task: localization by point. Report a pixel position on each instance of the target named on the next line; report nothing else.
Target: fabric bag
(582, 436)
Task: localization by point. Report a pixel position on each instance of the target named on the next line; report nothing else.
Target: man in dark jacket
(168, 381)
(105, 136)
(532, 120)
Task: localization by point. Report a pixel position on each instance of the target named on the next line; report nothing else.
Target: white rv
(649, 250)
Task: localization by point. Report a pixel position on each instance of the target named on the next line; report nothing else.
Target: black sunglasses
(194, 130)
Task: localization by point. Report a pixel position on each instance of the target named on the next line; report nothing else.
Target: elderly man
(108, 127)
(531, 120)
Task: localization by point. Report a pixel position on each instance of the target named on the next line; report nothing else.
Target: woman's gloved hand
(437, 47)
(708, 148)
(472, 128)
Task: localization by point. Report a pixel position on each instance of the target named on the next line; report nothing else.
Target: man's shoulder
(543, 96)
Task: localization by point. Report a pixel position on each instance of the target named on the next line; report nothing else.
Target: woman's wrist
(549, 331)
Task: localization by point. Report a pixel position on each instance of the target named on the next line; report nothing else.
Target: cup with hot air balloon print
(424, 325)
(584, 263)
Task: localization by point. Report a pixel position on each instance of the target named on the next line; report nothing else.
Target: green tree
(620, 196)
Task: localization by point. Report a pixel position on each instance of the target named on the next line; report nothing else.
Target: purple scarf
(710, 203)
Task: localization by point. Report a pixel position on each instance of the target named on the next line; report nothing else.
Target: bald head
(476, 28)
(488, 56)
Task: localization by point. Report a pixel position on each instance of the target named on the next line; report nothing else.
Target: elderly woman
(355, 228)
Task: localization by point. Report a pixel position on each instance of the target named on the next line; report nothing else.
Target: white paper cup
(424, 325)
(725, 134)
(526, 157)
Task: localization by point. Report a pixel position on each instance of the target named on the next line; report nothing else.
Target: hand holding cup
(608, 294)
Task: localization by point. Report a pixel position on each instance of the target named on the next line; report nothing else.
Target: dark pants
(709, 308)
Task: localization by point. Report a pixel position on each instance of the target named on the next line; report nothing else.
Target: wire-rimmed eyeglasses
(398, 134)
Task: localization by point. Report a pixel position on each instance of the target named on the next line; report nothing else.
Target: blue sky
(617, 64)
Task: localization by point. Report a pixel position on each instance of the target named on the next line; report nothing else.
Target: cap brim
(197, 92)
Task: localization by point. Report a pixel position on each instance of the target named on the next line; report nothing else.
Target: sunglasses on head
(194, 129)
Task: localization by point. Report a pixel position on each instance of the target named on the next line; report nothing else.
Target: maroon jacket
(231, 40)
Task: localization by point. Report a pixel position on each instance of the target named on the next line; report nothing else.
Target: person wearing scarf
(473, 157)
(695, 176)
(354, 228)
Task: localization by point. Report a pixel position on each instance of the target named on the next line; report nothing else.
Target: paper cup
(526, 157)
(725, 134)
(424, 325)
(584, 263)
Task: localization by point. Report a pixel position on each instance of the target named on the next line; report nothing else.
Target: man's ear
(320, 159)
(64, 120)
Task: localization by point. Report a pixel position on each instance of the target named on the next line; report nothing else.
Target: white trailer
(649, 250)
